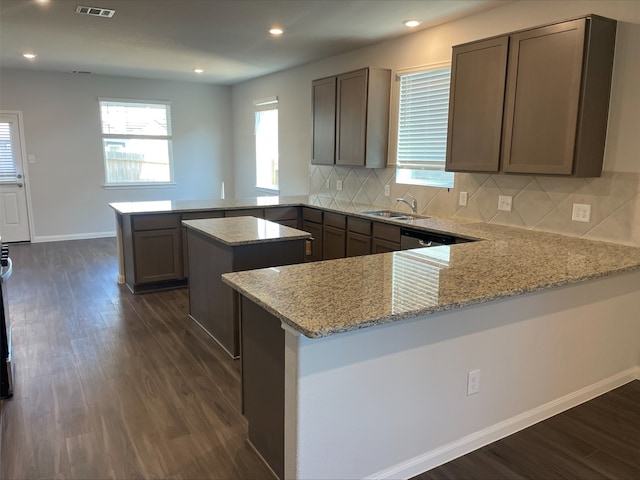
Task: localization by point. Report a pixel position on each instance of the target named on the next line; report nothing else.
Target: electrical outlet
(473, 382)
(504, 203)
(387, 190)
(339, 185)
(463, 199)
(327, 185)
(581, 212)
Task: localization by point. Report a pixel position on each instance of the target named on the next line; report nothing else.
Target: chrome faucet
(413, 204)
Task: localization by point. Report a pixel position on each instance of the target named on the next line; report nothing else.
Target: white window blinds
(7, 157)
(135, 119)
(423, 109)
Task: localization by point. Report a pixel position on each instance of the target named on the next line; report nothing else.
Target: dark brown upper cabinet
(533, 102)
(324, 121)
(476, 101)
(351, 118)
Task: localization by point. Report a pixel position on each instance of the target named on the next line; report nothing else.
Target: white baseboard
(74, 236)
(488, 435)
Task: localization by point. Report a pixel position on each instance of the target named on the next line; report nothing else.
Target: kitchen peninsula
(367, 358)
(377, 349)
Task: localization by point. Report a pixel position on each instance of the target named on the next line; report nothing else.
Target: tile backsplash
(539, 203)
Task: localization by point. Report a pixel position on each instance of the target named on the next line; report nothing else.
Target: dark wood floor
(115, 385)
(599, 439)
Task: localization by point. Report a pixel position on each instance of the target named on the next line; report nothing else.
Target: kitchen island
(377, 349)
(221, 245)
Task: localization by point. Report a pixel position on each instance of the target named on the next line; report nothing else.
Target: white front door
(14, 219)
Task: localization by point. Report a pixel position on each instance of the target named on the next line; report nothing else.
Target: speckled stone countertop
(180, 206)
(326, 298)
(236, 231)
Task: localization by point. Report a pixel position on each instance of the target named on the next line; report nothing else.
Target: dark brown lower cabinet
(358, 244)
(262, 357)
(333, 242)
(386, 238)
(158, 255)
(379, 245)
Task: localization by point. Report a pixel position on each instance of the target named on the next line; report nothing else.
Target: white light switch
(463, 199)
(339, 185)
(32, 158)
(387, 190)
(504, 203)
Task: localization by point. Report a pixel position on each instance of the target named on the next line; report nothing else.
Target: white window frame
(113, 136)
(440, 178)
(270, 103)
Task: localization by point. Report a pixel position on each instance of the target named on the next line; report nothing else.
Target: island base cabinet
(263, 353)
(212, 303)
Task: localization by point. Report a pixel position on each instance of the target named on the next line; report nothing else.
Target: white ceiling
(229, 39)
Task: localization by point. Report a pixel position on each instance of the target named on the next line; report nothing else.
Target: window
(423, 109)
(8, 170)
(266, 133)
(136, 138)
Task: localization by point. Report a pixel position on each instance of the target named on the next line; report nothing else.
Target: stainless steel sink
(391, 215)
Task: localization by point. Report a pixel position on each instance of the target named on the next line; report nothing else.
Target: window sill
(120, 186)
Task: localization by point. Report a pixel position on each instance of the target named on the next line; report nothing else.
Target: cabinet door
(324, 121)
(478, 73)
(358, 244)
(379, 245)
(315, 229)
(158, 255)
(351, 118)
(333, 242)
(542, 99)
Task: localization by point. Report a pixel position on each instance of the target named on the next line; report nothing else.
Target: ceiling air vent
(95, 11)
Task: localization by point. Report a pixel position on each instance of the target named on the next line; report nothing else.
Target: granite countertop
(236, 231)
(181, 206)
(324, 298)
(330, 297)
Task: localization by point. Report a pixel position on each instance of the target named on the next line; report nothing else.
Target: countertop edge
(322, 333)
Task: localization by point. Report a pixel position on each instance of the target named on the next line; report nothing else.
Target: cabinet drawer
(386, 232)
(311, 215)
(156, 221)
(200, 215)
(254, 212)
(335, 220)
(281, 213)
(359, 225)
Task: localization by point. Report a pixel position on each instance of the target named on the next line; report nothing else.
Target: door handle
(20, 185)
(18, 176)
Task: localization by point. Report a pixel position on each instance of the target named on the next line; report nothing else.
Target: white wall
(62, 129)
(293, 87)
(391, 401)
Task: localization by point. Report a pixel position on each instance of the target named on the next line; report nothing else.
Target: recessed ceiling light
(29, 56)
(198, 70)
(411, 23)
(42, 1)
(276, 31)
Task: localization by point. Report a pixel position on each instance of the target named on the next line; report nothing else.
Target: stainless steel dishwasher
(421, 239)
